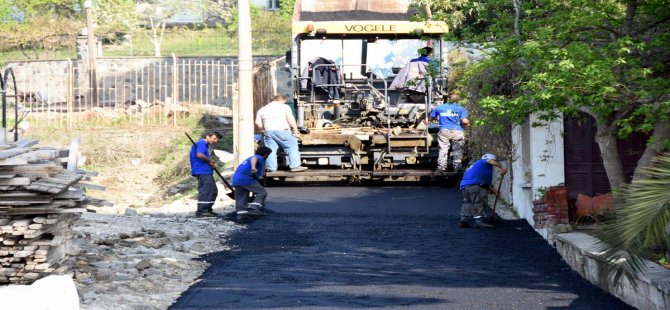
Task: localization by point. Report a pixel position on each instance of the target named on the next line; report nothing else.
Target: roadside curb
(653, 287)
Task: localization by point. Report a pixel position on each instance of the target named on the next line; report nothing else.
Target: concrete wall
(653, 289)
(538, 164)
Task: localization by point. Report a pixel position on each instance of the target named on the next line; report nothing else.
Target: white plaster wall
(538, 163)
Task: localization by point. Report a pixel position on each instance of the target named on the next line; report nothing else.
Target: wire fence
(133, 91)
(137, 91)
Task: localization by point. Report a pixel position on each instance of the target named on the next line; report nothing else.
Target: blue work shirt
(480, 173)
(199, 166)
(243, 174)
(425, 59)
(449, 115)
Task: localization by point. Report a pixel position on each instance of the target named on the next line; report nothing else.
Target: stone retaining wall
(653, 287)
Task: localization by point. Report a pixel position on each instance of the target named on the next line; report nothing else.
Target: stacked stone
(39, 203)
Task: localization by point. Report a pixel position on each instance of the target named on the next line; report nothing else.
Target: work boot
(242, 215)
(254, 210)
(206, 214)
(480, 224)
(257, 205)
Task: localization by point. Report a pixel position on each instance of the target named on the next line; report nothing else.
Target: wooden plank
(55, 184)
(26, 142)
(23, 202)
(18, 194)
(91, 186)
(411, 142)
(43, 170)
(15, 181)
(40, 154)
(12, 152)
(71, 193)
(30, 210)
(87, 173)
(14, 161)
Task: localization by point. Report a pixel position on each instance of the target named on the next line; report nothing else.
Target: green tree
(116, 16)
(5, 11)
(220, 9)
(608, 59)
(286, 9)
(61, 8)
(271, 31)
(40, 36)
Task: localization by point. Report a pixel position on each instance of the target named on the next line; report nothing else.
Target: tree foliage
(116, 16)
(60, 8)
(608, 59)
(220, 10)
(40, 36)
(5, 11)
(263, 21)
(286, 9)
(641, 222)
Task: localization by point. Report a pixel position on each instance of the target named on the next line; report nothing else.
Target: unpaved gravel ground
(144, 260)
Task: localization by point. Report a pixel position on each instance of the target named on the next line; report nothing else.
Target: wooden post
(69, 93)
(175, 92)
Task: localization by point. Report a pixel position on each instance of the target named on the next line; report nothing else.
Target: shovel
(495, 202)
(230, 194)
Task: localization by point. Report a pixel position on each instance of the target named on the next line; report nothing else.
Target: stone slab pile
(39, 202)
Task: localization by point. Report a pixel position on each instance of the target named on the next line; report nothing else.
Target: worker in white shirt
(275, 120)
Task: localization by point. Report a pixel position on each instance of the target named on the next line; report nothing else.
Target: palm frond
(640, 222)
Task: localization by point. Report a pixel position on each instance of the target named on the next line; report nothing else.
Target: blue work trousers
(242, 198)
(207, 192)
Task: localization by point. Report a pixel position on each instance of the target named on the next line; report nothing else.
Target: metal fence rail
(151, 90)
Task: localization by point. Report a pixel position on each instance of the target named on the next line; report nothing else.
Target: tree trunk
(157, 45)
(607, 141)
(654, 148)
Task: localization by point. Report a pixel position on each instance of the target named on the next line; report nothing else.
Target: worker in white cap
(475, 186)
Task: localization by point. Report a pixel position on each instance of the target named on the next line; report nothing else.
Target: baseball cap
(489, 156)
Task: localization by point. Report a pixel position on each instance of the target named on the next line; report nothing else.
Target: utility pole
(90, 37)
(244, 128)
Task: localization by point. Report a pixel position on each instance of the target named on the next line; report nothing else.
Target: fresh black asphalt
(332, 247)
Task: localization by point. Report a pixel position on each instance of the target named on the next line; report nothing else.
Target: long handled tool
(495, 202)
(230, 194)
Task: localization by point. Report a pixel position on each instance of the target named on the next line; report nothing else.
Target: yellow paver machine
(345, 60)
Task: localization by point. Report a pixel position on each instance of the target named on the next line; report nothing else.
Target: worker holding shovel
(474, 186)
(202, 167)
(246, 181)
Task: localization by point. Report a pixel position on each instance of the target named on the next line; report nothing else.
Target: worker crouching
(475, 186)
